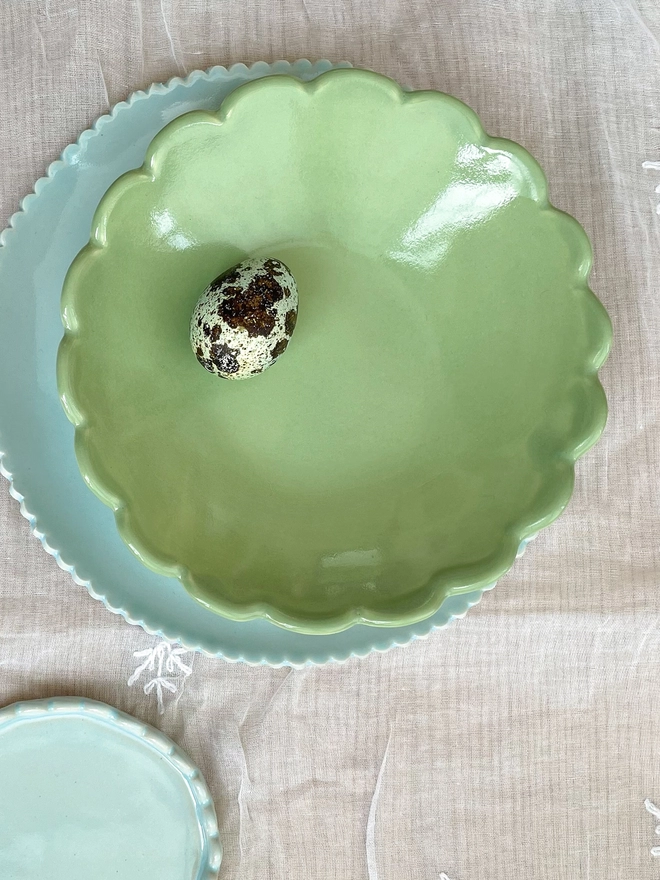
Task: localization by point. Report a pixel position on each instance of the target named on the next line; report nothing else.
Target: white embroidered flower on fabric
(654, 811)
(653, 166)
(169, 670)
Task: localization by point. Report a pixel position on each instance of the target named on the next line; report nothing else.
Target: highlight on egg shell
(243, 321)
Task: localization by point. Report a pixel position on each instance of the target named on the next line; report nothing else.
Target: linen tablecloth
(523, 741)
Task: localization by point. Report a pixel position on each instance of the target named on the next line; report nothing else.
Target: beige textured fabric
(522, 741)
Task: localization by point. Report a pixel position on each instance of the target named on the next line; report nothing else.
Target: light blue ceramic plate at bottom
(36, 439)
(88, 793)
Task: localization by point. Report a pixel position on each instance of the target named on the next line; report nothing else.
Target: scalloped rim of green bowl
(442, 584)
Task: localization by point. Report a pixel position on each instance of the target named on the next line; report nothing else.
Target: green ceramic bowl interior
(440, 384)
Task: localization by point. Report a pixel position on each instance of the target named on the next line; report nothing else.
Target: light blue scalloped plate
(36, 439)
(89, 792)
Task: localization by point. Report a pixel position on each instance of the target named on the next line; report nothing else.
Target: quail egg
(244, 320)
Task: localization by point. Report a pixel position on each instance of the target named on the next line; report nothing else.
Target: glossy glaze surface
(88, 793)
(440, 385)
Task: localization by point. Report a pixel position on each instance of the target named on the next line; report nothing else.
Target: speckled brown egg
(244, 320)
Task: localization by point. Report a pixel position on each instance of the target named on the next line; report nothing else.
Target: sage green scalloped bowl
(438, 389)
